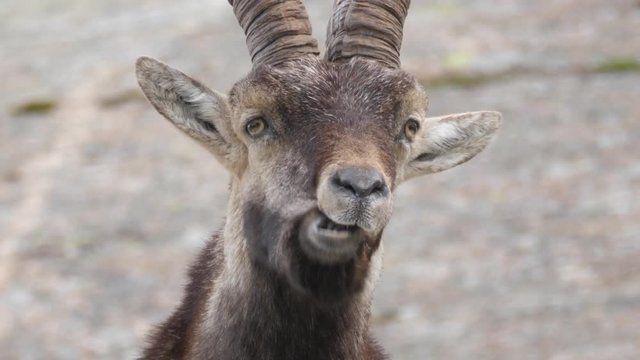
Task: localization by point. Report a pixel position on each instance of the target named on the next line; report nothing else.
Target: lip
(327, 241)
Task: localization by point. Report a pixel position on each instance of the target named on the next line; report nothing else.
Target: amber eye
(411, 128)
(256, 126)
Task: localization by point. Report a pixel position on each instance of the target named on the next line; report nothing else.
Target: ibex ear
(444, 142)
(193, 108)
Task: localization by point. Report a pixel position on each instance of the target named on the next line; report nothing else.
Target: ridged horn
(367, 28)
(276, 30)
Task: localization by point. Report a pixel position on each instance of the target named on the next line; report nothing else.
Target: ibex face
(316, 148)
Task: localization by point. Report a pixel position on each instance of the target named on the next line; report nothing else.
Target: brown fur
(276, 322)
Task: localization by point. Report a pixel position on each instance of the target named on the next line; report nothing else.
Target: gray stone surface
(531, 251)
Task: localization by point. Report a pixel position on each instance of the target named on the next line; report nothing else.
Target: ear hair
(450, 140)
(199, 112)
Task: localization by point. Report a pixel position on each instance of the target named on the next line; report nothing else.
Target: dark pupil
(255, 126)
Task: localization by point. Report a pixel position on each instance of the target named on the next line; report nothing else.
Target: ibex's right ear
(193, 108)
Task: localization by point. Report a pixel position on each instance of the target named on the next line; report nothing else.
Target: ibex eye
(256, 126)
(411, 128)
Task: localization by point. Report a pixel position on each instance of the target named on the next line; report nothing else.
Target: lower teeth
(330, 225)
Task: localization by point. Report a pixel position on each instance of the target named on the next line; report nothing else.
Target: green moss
(619, 64)
(122, 98)
(385, 317)
(458, 60)
(41, 106)
(461, 80)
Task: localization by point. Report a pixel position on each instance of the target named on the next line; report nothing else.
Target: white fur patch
(447, 141)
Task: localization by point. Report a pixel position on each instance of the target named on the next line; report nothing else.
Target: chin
(328, 262)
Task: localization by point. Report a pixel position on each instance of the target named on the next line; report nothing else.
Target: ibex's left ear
(444, 142)
(199, 112)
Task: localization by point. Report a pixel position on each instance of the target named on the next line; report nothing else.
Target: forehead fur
(314, 86)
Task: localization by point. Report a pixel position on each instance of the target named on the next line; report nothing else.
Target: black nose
(361, 182)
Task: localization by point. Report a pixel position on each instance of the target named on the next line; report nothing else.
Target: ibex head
(316, 146)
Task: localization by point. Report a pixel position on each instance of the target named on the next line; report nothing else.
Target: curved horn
(367, 28)
(277, 30)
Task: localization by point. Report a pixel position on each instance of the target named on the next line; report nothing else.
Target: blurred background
(531, 251)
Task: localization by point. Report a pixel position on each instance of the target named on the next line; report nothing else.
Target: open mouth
(334, 230)
(328, 242)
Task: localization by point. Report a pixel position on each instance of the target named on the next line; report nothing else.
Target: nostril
(342, 184)
(378, 187)
(361, 182)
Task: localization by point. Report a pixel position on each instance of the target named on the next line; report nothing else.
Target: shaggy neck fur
(235, 308)
(269, 320)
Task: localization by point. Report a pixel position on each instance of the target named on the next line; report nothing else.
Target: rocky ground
(531, 251)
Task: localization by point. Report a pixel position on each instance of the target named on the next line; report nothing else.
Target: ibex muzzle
(315, 147)
(354, 204)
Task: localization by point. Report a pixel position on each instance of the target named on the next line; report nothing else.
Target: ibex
(315, 147)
